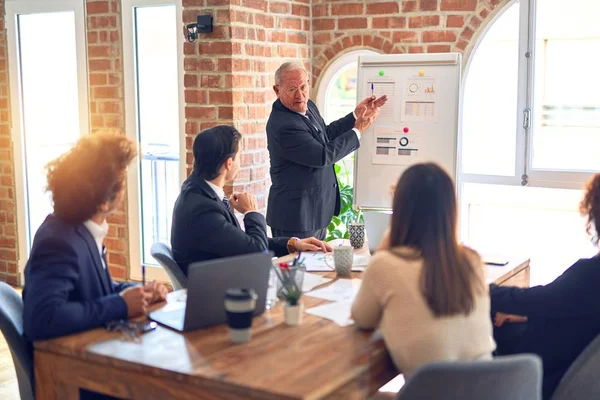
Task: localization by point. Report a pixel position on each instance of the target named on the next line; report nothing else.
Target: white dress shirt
(99, 232)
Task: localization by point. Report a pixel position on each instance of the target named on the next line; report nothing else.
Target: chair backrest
(581, 379)
(11, 325)
(510, 377)
(162, 253)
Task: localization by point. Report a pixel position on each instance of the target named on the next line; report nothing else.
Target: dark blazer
(564, 316)
(203, 229)
(304, 194)
(67, 289)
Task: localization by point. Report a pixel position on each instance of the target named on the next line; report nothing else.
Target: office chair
(510, 377)
(162, 253)
(11, 325)
(581, 379)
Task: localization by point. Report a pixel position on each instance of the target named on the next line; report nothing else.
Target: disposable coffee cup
(239, 307)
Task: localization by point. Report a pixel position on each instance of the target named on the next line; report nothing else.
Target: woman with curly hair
(557, 321)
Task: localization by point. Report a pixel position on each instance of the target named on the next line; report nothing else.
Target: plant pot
(293, 314)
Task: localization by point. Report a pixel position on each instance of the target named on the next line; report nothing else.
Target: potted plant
(291, 277)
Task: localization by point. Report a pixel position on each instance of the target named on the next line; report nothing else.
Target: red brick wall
(8, 207)
(230, 73)
(105, 68)
(406, 26)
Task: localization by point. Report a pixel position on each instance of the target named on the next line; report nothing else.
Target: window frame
(525, 103)
(130, 96)
(13, 8)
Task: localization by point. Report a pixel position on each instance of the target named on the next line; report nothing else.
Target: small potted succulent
(291, 277)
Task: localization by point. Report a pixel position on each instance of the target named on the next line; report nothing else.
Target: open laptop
(376, 223)
(207, 283)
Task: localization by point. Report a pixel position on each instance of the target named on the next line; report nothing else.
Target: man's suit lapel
(211, 194)
(312, 109)
(93, 249)
(311, 128)
(319, 133)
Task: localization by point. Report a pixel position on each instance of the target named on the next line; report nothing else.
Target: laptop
(207, 283)
(376, 223)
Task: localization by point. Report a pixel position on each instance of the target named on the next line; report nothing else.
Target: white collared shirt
(218, 191)
(99, 232)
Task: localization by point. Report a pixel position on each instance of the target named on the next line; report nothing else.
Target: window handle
(526, 118)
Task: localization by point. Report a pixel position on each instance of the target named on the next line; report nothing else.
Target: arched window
(517, 108)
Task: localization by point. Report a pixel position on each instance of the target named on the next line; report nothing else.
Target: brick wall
(8, 207)
(405, 26)
(229, 74)
(107, 108)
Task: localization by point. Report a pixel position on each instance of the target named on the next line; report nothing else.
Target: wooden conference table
(315, 360)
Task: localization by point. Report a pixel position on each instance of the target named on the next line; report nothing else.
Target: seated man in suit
(68, 287)
(204, 226)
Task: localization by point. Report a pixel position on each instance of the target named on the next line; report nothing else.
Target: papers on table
(316, 261)
(338, 312)
(311, 281)
(340, 290)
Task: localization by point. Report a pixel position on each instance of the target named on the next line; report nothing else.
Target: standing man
(305, 194)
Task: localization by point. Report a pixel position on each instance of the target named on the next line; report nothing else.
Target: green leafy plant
(338, 228)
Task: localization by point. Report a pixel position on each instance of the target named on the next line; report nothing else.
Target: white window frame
(133, 174)
(24, 7)
(524, 138)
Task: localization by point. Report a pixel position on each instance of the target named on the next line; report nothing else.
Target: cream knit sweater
(390, 299)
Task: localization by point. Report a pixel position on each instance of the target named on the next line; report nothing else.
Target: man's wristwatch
(291, 245)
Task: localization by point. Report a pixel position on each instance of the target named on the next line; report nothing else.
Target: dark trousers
(513, 338)
(319, 234)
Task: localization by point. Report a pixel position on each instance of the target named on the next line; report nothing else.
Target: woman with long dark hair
(560, 318)
(426, 292)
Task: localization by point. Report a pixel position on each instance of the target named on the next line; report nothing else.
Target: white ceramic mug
(343, 257)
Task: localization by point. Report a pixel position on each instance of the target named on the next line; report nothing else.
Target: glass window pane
(514, 220)
(340, 99)
(566, 113)
(489, 116)
(50, 101)
(158, 120)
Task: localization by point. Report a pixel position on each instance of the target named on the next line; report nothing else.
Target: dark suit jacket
(564, 316)
(203, 229)
(305, 195)
(67, 289)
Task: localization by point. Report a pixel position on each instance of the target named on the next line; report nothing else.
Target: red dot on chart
(405, 129)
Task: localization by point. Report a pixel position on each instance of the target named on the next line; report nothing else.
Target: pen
(372, 89)
(143, 275)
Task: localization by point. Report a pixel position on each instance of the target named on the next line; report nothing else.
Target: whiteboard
(419, 122)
